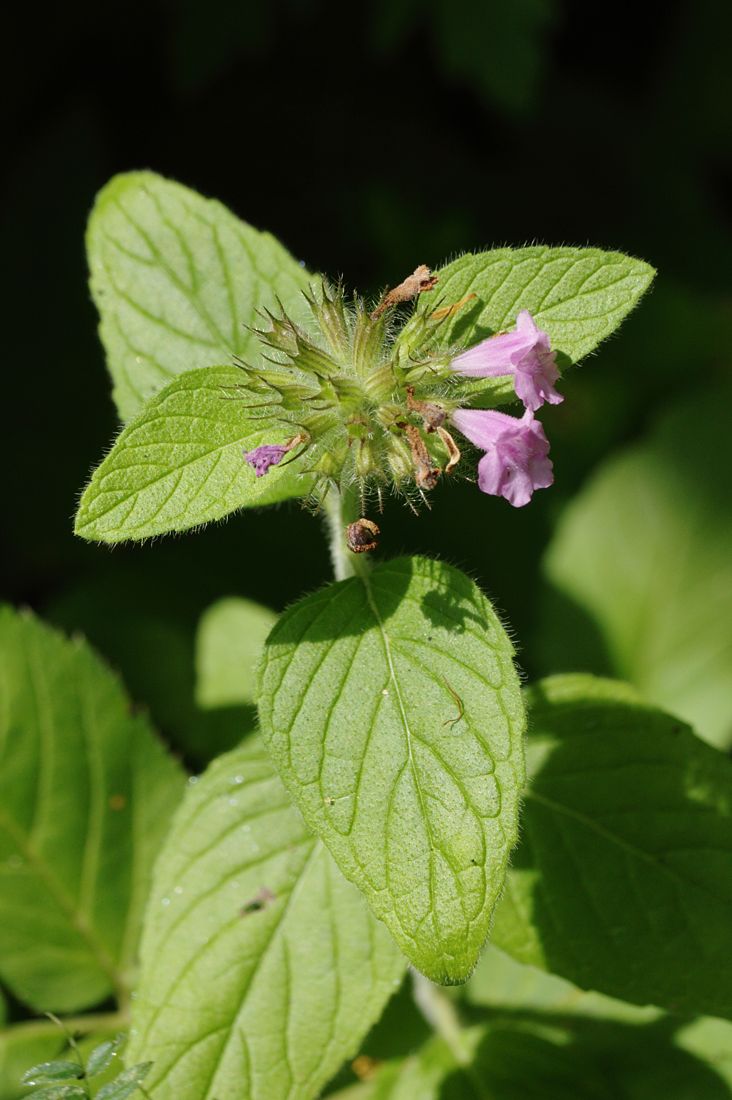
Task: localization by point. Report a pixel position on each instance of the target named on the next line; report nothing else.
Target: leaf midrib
(364, 578)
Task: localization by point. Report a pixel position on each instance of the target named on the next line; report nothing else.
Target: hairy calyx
(363, 402)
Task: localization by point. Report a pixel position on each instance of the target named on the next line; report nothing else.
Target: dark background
(369, 139)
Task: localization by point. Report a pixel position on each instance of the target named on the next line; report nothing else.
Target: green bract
(392, 708)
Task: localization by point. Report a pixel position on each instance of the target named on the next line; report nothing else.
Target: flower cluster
(516, 459)
(362, 401)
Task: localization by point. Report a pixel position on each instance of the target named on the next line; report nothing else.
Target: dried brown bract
(362, 536)
(452, 449)
(415, 284)
(426, 475)
(433, 415)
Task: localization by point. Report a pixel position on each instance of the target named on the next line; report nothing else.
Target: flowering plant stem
(341, 507)
(441, 1014)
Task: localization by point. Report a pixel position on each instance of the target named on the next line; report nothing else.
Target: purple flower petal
(526, 353)
(269, 454)
(516, 459)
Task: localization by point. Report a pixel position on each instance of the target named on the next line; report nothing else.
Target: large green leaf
(262, 968)
(511, 1058)
(177, 279)
(179, 463)
(646, 552)
(85, 797)
(622, 881)
(578, 295)
(392, 708)
(502, 984)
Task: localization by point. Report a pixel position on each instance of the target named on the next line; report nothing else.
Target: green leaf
(229, 645)
(646, 552)
(711, 1041)
(550, 1058)
(578, 295)
(503, 1060)
(179, 463)
(102, 1056)
(23, 1044)
(393, 711)
(85, 796)
(262, 968)
(52, 1071)
(126, 1084)
(500, 982)
(177, 279)
(622, 881)
(58, 1092)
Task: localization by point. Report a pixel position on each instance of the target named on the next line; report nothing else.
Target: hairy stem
(341, 508)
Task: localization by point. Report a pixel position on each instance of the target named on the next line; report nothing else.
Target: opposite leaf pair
(181, 286)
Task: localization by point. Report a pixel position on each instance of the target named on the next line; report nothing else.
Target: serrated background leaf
(127, 1083)
(58, 1092)
(578, 295)
(418, 804)
(262, 968)
(22, 1044)
(85, 797)
(180, 463)
(229, 645)
(101, 1056)
(622, 881)
(176, 279)
(52, 1071)
(645, 551)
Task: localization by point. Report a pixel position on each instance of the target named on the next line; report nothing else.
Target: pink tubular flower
(526, 353)
(516, 459)
(269, 454)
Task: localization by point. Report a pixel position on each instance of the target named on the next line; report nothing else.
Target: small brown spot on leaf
(261, 900)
